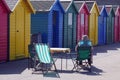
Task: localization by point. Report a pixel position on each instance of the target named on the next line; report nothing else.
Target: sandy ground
(106, 66)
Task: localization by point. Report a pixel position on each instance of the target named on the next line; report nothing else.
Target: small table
(60, 50)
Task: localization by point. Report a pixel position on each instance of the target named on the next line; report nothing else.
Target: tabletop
(58, 50)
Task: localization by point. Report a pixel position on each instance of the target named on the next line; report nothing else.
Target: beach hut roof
(78, 4)
(115, 7)
(108, 2)
(109, 9)
(13, 3)
(90, 4)
(42, 5)
(5, 4)
(67, 4)
(104, 2)
(101, 8)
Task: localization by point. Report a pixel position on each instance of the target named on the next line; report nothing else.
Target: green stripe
(47, 54)
(39, 50)
(43, 53)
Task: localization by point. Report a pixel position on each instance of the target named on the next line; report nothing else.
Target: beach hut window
(69, 18)
(82, 19)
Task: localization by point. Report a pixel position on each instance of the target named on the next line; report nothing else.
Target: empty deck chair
(44, 56)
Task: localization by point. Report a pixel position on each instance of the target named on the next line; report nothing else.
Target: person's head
(85, 37)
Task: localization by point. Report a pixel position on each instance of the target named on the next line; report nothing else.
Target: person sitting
(85, 42)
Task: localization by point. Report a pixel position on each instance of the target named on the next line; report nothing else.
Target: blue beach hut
(102, 25)
(48, 21)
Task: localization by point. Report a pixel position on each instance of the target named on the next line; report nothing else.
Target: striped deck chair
(44, 56)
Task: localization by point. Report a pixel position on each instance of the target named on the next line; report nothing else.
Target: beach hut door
(70, 30)
(55, 41)
(93, 28)
(20, 32)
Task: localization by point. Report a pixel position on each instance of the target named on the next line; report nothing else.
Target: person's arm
(90, 44)
(76, 47)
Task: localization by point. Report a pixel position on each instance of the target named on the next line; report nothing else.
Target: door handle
(17, 30)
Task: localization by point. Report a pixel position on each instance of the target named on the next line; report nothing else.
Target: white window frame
(70, 18)
(82, 19)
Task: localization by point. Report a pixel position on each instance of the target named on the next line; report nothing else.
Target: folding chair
(44, 57)
(83, 59)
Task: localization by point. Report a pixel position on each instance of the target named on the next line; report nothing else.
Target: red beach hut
(117, 24)
(82, 19)
(4, 11)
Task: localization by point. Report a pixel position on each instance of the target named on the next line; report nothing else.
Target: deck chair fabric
(83, 52)
(44, 55)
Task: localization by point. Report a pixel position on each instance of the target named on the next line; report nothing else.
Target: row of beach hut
(60, 23)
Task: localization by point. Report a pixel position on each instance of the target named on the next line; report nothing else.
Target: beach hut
(82, 19)
(102, 25)
(4, 12)
(48, 20)
(117, 24)
(110, 24)
(93, 21)
(69, 26)
(19, 28)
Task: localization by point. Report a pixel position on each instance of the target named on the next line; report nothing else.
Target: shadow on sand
(105, 48)
(13, 67)
(95, 71)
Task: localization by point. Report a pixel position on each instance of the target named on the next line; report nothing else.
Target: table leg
(66, 60)
(61, 63)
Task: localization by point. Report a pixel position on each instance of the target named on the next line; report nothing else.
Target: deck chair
(45, 58)
(84, 56)
(32, 59)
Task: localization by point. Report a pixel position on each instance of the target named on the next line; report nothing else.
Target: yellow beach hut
(19, 28)
(93, 21)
